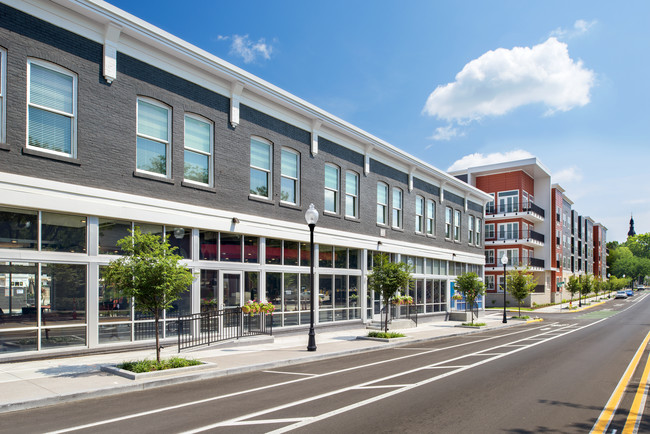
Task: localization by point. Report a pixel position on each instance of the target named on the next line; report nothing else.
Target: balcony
(526, 210)
(533, 264)
(527, 238)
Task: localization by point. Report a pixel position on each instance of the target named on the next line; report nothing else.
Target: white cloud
(580, 27)
(446, 133)
(479, 159)
(244, 47)
(567, 175)
(502, 80)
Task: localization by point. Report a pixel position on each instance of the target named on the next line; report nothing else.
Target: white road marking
(290, 373)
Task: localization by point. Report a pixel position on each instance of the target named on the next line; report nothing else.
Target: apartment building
(108, 123)
(532, 223)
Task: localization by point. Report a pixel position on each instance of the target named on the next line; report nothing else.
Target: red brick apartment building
(532, 223)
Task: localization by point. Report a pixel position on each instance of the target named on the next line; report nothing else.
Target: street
(553, 376)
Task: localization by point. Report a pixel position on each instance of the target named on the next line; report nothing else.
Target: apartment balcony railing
(515, 235)
(522, 263)
(511, 208)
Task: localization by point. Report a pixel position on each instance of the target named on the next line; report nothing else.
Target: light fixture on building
(179, 233)
(235, 220)
(311, 216)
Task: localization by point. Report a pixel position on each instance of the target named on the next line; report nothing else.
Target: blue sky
(453, 82)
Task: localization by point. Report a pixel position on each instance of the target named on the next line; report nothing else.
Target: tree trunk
(157, 316)
(386, 319)
(520, 309)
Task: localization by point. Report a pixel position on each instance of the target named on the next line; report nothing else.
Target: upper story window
(489, 230)
(397, 207)
(351, 194)
(470, 229)
(3, 90)
(448, 221)
(382, 203)
(51, 108)
(431, 217)
(198, 150)
(154, 133)
(331, 188)
(489, 207)
(479, 224)
(290, 174)
(419, 214)
(509, 231)
(509, 201)
(261, 152)
(456, 225)
(489, 256)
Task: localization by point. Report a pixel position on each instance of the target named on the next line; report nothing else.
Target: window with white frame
(479, 225)
(489, 282)
(500, 284)
(331, 188)
(397, 207)
(489, 207)
(509, 201)
(153, 137)
(489, 256)
(419, 214)
(449, 218)
(3, 90)
(382, 203)
(489, 231)
(351, 194)
(431, 217)
(198, 150)
(456, 225)
(512, 254)
(290, 176)
(261, 168)
(51, 108)
(470, 229)
(508, 231)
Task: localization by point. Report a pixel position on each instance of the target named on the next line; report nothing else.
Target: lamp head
(504, 260)
(311, 215)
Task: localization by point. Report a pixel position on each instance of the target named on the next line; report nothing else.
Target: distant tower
(631, 232)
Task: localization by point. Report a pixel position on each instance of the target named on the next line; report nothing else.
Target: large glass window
(382, 203)
(154, 137)
(18, 229)
(63, 233)
(419, 214)
(181, 238)
(198, 150)
(110, 232)
(251, 250)
(230, 247)
(112, 307)
(325, 254)
(18, 296)
(351, 194)
(261, 168)
(509, 201)
(51, 108)
(63, 294)
(397, 207)
(273, 251)
(209, 290)
(208, 245)
(331, 188)
(290, 182)
(431, 217)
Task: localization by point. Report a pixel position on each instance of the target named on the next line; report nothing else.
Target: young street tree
(573, 286)
(471, 287)
(150, 273)
(586, 285)
(520, 283)
(387, 278)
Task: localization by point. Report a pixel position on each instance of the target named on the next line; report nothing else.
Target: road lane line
(290, 373)
(636, 411)
(610, 408)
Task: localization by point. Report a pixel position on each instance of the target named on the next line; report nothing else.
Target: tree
(472, 287)
(387, 278)
(599, 285)
(586, 285)
(520, 283)
(573, 286)
(150, 273)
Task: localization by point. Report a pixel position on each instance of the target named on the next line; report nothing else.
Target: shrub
(475, 324)
(146, 365)
(385, 335)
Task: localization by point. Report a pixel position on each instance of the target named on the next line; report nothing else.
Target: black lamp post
(504, 261)
(311, 216)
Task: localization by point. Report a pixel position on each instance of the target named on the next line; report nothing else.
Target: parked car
(621, 294)
(630, 292)
(640, 287)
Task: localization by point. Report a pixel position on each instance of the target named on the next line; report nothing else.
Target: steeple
(631, 232)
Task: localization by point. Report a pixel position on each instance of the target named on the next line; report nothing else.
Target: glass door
(231, 288)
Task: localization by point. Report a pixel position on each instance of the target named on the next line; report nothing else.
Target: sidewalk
(52, 381)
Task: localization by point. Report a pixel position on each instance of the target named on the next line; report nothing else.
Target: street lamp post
(311, 216)
(504, 261)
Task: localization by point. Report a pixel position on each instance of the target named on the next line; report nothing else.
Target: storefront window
(63, 233)
(181, 238)
(18, 229)
(273, 251)
(208, 245)
(63, 293)
(230, 247)
(110, 232)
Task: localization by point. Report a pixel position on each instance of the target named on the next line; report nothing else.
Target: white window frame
(449, 222)
(490, 231)
(382, 208)
(489, 282)
(3, 92)
(511, 253)
(72, 116)
(471, 222)
(398, 209)
(508, 201)
(269, 171)
(354, 212)
(479, 225)
(419, 218)
(508, 228)
(168, 142)
(489, 256)
(431, 217)
(197, 151)
(295, 180)
(336, 191)
(457, 217)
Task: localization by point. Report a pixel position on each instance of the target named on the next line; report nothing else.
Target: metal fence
(209, 327)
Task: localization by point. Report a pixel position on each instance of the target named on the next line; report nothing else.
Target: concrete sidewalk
(45, 382)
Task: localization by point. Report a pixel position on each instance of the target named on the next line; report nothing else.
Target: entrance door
(231, 288)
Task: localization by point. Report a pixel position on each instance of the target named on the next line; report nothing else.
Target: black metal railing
(514, 207)
(518, 235)
(209, 327)
(396, 311)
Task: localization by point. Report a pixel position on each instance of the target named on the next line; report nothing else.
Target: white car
(621, 294)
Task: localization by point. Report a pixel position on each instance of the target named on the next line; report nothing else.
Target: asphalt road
(555, 376)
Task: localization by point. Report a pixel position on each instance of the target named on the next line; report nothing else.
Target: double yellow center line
(636, 412)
